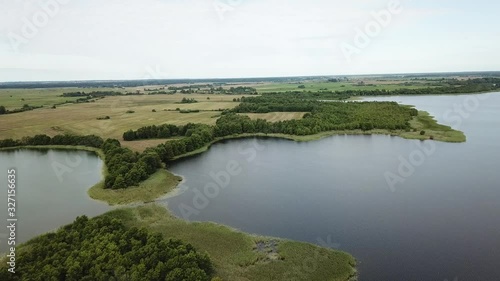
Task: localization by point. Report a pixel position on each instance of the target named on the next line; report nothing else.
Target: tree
(103, 248)
(2, 110)
(119, 182)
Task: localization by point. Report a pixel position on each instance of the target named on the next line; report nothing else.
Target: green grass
(427, 123)
(157, 185)
(233, 253)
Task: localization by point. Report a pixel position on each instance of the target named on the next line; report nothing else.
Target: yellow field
(276, 116)
(82, 118)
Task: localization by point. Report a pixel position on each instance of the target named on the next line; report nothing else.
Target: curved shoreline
(126, 196)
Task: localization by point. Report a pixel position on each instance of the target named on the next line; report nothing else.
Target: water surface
(51, 189)
(441, 223)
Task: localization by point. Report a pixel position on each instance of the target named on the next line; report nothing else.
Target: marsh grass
(233, 252)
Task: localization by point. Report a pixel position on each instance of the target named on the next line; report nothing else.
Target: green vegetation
(157, 185)
(235, 255)
(44, 140)
(433, 130)
(163, 131)
(103, 248)
(126, 168)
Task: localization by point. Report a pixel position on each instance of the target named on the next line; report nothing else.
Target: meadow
(82, 118)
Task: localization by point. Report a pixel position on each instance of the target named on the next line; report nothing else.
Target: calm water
(441, 223)
(51, 189)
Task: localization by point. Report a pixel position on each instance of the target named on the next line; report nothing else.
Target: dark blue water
(51, 189)
(406, 209)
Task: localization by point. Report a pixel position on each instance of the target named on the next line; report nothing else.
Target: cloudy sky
(131, 39)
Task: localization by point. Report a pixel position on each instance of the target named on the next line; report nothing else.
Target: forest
(163, 131)
(126, 168)
(103, 248)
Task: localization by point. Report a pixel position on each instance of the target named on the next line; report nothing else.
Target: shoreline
(124, 197)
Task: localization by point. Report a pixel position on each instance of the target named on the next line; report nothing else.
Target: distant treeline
(90, 140)
(103, 248)
(160, 93)
(143, 82)
(95, 94)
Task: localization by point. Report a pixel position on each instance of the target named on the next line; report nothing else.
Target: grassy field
(235, 254)
(425, 122)
(82, 118)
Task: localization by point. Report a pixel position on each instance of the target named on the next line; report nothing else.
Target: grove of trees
(103, 248)
(125, 167)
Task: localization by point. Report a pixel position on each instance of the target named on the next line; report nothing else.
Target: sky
(60, 40)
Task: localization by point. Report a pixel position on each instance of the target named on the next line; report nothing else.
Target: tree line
(73, 140)
(324, 116)
(103, 248)
(163, 131)
(92, 94)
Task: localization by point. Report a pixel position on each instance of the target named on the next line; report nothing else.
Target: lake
(406, 209)
(51, 189)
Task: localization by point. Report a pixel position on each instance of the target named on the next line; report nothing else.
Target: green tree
(119, 182)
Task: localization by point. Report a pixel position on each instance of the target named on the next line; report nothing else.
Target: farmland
(83, 117)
